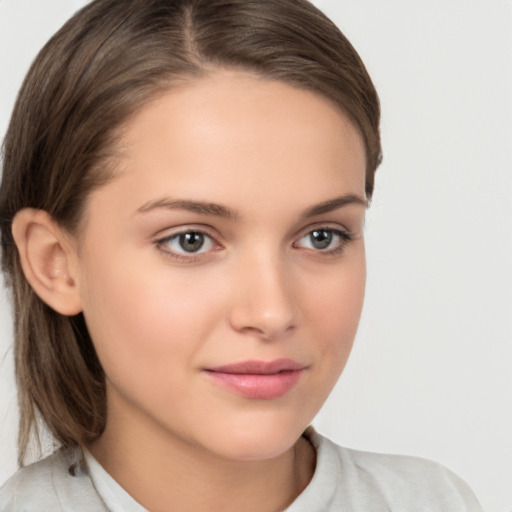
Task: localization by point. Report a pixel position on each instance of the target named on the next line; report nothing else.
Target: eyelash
(345, 237)
(163, 245)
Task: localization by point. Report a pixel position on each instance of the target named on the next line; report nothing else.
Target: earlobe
(45, 254)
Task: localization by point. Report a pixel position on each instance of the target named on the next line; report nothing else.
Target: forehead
(235, 132)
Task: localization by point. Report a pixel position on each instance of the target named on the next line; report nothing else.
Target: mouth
(258, 379)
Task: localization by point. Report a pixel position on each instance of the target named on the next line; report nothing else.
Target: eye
(187, 243)
(324, 240)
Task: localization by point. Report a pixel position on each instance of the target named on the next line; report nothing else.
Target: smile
(258, 379)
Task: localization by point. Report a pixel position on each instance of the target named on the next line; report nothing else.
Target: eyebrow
(218, 210)
(204, 208)
(334, 204)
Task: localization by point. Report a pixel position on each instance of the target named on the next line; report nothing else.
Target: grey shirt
(344, 480)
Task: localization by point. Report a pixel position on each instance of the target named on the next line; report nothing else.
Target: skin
(259, 289)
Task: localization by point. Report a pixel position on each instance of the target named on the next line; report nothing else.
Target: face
(221, 273)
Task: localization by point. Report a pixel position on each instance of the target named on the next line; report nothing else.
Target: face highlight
(222, 272)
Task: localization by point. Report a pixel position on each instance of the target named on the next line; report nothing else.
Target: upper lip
(259, 367)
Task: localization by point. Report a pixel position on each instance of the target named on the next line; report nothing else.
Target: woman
(182, 207)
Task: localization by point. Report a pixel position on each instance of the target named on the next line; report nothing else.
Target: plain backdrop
(430, 373)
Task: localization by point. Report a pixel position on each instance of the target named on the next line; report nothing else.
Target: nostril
(264, 303)
(267, 332)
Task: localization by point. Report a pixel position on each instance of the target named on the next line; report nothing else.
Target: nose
(264, 301)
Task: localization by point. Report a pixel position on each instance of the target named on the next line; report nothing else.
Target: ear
(46, 254)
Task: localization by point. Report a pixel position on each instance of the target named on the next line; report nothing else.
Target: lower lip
(258, 386)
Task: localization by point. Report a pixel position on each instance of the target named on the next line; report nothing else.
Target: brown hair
(104, 64)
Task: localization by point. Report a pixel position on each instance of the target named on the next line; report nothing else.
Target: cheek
(143, 321)
(335, 309)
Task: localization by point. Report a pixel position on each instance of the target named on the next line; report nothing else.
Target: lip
(258, 379)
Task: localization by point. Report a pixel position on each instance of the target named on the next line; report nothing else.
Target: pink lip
(258, 379)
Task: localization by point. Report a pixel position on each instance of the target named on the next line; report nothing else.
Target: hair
(101, 67)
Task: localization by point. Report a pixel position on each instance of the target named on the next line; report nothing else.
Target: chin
(258, 441)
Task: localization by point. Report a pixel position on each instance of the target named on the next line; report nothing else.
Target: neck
(158, 468)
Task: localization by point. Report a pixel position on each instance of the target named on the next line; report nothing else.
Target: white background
(430, 374)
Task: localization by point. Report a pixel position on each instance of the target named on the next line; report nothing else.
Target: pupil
(191, 242)
(321, 239)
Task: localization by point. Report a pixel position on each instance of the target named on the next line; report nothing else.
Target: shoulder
(407, 483)
(423, 480)
(57, 483)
